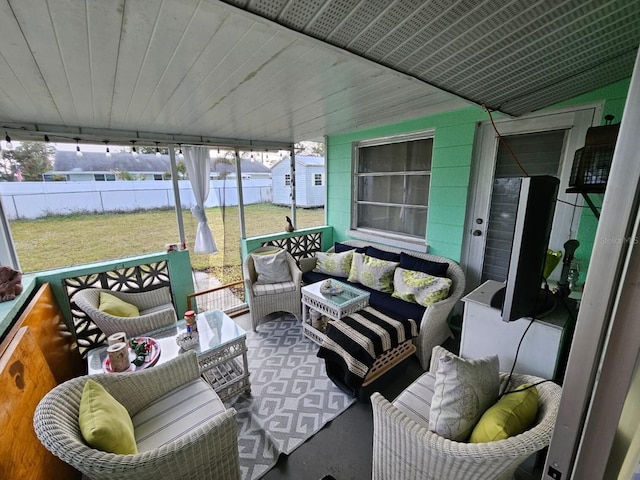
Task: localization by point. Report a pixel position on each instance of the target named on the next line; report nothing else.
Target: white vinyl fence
(38, 199)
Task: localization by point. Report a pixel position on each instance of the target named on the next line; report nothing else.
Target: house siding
(450, 177)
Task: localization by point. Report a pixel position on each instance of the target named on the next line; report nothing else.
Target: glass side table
(221, 350)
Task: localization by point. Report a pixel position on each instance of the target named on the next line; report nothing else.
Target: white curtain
(198, 166)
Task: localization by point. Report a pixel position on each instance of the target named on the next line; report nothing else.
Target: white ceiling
(204, 71)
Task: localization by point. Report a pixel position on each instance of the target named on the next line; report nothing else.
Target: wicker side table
(335, 307)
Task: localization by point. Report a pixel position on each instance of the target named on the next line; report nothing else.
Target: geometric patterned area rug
(291, 397)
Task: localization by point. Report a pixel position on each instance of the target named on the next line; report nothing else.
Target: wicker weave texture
(404, 449)
(209, 451)
(434, 329)
(262, 305)
(156, 310)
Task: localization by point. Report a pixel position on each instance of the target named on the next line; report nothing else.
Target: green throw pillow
(335, 264)
(419, 287)
(514, 413)
(118, 308)
(104, 423)
(463, 390)
(372, 272)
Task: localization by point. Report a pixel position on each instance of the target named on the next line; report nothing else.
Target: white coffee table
(222, 352)
(335, 307)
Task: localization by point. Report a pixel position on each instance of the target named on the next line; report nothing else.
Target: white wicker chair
(434, 329)
(205, 452)
(156, 310)
(276, 297)
(405, 449)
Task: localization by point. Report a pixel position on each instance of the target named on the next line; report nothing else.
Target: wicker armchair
(404, 449)
(207, 451)
(276, 297)
(156, 310)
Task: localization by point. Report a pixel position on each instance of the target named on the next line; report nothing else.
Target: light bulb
(180, 155)
(78, 152)
(134, 152)
(9, 145)
(157, 151)
(108, 154)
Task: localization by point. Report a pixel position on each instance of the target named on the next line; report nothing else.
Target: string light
(107, 153)
(9, 145)
(180, 154)
(78, 152)
(46, 139)
(157, 150)
(134, 152)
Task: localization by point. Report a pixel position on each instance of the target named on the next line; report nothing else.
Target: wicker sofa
(432, 320)
(404, 448)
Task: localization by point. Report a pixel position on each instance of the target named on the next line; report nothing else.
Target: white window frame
(391, 238)
(287, 179)
(318, 177)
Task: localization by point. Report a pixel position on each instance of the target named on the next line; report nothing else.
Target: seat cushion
(176, 414)
(272, 288)
(104, 422)
(415, 400)
(118, 308)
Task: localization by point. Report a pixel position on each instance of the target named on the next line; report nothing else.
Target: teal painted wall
(450, 180)
(452, 149)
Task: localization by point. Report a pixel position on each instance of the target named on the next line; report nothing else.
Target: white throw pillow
(335, 264)
(271, 267)
(464, 389)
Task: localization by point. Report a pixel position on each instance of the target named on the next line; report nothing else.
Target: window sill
(404, 243)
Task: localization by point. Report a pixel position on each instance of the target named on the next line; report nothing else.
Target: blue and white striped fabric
(176, 413)
(415, 400)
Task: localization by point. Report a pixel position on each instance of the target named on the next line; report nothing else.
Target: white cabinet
(484, 333)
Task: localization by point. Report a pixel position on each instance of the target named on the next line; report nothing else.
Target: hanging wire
(504, 142)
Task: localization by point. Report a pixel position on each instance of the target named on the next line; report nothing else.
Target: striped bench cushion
(176, 414)
(415, 400)
(260, 289)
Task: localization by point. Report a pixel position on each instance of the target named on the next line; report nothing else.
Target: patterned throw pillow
(372, 272)
(419, 287)
(336, 264)
(464, 389)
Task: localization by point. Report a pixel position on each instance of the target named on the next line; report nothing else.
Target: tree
(313, 149)
(29, 160)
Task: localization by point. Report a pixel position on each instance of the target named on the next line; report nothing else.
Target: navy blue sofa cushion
(382, 255)
(409, 262)
(343, 247)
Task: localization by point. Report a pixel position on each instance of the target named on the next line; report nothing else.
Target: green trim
(179, 265)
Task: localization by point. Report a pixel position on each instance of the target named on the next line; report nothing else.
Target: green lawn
(58, 241)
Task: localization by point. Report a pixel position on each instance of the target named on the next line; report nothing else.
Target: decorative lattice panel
(299, 246)
(139, 278)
